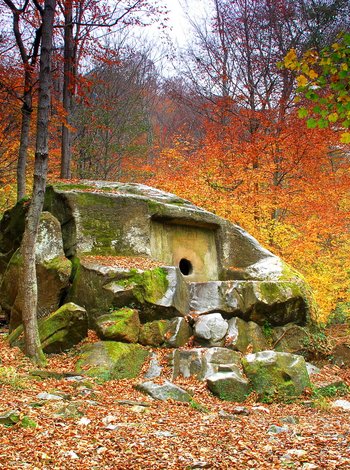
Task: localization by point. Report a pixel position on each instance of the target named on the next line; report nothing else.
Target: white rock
(71, 454)
(343, 404)
(211, 327)
(48, 396)
(84, 421)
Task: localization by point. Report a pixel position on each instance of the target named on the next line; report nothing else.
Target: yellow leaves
(291, 60)
(312, 74)
(345, 138)
(333, 117)
(302, 81)
(325, 61)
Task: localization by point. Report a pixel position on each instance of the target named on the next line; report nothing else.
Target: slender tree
(29, 281)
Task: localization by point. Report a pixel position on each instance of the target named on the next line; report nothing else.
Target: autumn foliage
(224, 132)
(285, 184)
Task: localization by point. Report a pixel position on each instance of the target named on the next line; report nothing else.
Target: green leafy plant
(323, 79)
(331, 391)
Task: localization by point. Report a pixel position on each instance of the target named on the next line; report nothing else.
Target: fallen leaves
(123, 262)
(110, 426)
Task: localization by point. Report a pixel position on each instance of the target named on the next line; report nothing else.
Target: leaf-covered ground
(113, 426)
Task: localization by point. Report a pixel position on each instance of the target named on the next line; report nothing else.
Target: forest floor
(113, 426)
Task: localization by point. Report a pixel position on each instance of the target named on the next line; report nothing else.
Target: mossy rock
(53, 272)
(59, 331)
(276, 302)
(108, 360)
(241, 335)
(100, 289)
(63, 329)
(178, 333)
(149, 286)
(290, 338)
(121, 325)
(11, 232)
(153, 333)
(229, 386)
(276, 375)
(165, 391)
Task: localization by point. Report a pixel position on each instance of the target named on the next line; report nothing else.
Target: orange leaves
(280, 182)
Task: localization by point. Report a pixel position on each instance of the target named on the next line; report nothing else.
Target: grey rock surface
(290, 338)
(203, 362)
(178, 334)
(278, 302)
(241, 335)
(154, 369)
(230, 386)
(165, 391)
(211, 328)
(226, 269)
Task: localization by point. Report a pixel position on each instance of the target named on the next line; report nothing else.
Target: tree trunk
(27, 110)
(68, 84)
(29, 284)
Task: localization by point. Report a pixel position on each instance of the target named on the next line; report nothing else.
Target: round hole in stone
(185, 266)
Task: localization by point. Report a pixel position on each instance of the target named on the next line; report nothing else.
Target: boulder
(59, 331)
(112, 218)
(209, 264)
(53, 273)
(108, 360)
(11, 232)
(290, 338)
(178, 333)
(153, 333)
(341, 355)
(230, 386)
(121, 325)
(63, 329)
(276, 375)
(99, 288)
(202, 362)
(165, 391)
(276, 302)
(220, 360)
(210, 329)
(158, 293)
(187, 362)
(241, 335)
(154, 369)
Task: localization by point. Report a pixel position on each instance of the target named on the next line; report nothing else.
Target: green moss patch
(59, 264)
(108, 360)
(119, 325)
(153, 333)
(276, 376)
(149, 286)
(63, 329)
